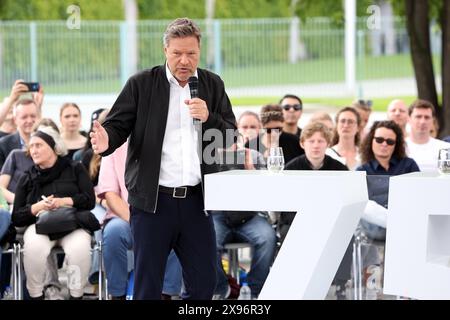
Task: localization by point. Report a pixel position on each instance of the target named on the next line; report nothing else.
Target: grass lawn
(308, 71)
(321, 70)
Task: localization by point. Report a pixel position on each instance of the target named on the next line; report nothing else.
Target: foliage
(163, 9)
(57, 9)
(252, 9)
(434, 5)
(333, 9)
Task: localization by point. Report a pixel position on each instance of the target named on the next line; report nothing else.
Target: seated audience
(62, 183)
(273, 136)
(70, 118)
(383, 153)
(421, 146)
(292, 112)
(397, 111)
(345, 141)
(314, 140)
(364, 108)
(26, 114)
(117, 237)
(18, 90)
(245, 226)
(324, 118)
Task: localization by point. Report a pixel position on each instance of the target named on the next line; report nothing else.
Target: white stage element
(330, 205)
(417, 260)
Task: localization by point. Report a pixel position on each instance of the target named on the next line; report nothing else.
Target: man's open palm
(99, 138)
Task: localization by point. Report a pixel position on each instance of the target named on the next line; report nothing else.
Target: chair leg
(19, 271)
(14, 272)
(233, 263)
(355, 272)
(16, 266)
(99, 249)
(360, 269)
(357, 269)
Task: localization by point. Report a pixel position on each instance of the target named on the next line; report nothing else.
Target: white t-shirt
(426, 155)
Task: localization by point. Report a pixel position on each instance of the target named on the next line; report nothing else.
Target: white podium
(330, 205)
(417, 260)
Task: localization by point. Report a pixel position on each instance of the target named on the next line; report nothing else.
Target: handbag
(59, 220)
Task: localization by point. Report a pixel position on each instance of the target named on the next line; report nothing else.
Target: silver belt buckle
(183, 192)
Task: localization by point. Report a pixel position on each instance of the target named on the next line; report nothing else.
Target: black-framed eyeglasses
(368, 103)
(380, 140)
(297, 107)
(269, 130)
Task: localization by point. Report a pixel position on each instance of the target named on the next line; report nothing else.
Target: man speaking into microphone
(164, 169)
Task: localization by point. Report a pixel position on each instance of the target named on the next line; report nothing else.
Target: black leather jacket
(140, 112)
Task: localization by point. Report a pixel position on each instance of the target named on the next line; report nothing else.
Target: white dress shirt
(180, 164)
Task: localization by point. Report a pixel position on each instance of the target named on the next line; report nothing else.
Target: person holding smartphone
(18, 89)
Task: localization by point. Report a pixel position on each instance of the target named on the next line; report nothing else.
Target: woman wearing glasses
(345, 142)
(383, 154)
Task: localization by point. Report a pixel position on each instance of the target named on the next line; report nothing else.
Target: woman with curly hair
(383, 153)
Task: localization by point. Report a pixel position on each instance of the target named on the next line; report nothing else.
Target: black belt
(180, 192)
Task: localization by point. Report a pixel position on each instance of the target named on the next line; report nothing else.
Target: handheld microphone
(193, 88)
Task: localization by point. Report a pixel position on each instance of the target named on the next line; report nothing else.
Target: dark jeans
(179, 224)
(5, 220)
(259, 233)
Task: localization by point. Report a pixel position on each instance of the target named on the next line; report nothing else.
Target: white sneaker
(53, 293)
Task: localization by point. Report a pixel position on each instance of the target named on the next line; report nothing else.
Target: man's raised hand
(99, 138)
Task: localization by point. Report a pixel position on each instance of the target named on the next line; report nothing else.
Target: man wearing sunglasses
(292, 112)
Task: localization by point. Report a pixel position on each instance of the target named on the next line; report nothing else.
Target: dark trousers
(180, 224)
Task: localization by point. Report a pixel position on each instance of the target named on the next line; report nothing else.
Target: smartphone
(32, 86)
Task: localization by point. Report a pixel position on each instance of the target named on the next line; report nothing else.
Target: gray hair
(181, 28)
(60, 148)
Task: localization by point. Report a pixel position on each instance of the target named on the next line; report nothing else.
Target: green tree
(252, 9)
(163, 9)
(57, 9)
(445, 22)
(325, 8)
(418, 15)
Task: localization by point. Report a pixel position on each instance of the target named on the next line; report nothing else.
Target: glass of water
(444, 161)
(275, 160)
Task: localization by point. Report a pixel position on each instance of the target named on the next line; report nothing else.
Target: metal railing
(245, 52)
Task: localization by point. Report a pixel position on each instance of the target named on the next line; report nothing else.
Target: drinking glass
(444, 161)
(275, 160)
